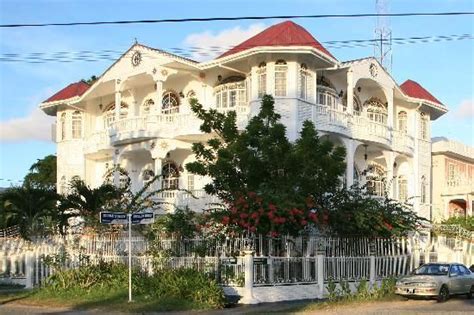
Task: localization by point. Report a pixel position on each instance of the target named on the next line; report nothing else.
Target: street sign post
(128, 218)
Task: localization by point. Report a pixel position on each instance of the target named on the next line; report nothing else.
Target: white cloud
(35, 126)
(465, 110)
(213, 44)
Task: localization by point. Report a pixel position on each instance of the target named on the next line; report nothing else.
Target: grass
(106, 300)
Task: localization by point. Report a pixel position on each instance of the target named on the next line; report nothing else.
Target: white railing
(453, 146)
(129, 124)
(403, 141)
(96, 141)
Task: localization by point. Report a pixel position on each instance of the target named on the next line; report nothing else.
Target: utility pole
(383, 36)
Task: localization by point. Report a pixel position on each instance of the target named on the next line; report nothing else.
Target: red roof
(282, 34)
(414, 89)
(73, 89)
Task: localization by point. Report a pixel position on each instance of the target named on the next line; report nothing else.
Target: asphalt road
(456, 305)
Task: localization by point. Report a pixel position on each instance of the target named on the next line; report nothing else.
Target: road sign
(143, 218)
(260, 261)
(229, 261)
(113, 218)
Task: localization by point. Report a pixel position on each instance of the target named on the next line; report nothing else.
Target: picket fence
(246, 264)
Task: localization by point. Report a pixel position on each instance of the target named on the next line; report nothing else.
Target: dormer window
(170, 103)
(281, 70)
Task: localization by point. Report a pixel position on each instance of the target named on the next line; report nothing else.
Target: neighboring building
(137, 114)
(452, 178)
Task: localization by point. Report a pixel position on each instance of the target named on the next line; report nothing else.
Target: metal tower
(383, 36)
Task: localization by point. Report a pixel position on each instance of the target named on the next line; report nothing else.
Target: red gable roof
(414, 89)
(73, 89)
(282, 34)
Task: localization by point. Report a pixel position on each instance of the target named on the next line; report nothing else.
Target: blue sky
(446, 69)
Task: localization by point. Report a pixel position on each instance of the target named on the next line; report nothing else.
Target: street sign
(143, 218)
(113, 218)
(229, 261)
(260, 261)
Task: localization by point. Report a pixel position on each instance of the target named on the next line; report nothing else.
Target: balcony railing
(129, 124)
(195, 199)
(97, 141)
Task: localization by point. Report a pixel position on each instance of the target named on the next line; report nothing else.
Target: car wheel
(443, 294)
(471, 292)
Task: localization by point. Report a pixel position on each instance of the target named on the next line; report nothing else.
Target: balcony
(96, 142)
(403, 142)
(128, 129)
(198, 200)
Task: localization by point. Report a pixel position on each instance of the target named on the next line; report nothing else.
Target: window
(76, 125)
(63, 185)
(109, 115)
(191, 182)
(402, 188)
(280, 78)
(402, 122)
(262, 79)
(376, 110)
(63, 126)
(376, 181)
(306, 83)
(147, 106)
(170, 103)
(423, 126)
(230, 95)
(423, 189)
(327, 97)
(170, 176)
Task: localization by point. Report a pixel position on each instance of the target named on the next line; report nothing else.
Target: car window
(454, 270)
(464, 270)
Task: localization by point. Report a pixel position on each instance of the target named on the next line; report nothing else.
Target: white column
(350, 151)
(320, 275)
(248, 297)
(118, 100)
(350, 92)
(116, 160)
(157, 171)
(158, 96)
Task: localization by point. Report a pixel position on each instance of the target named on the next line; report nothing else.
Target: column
(118, 100)
(248, 297)
(116, 166)
(390, 181)
(158, 96)
(157, 170)
(389, 95)
(350, 92)
(349, 163)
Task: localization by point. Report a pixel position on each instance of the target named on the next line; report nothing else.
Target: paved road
(456, 305)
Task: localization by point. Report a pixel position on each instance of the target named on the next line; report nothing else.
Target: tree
(42, 173)
(268, 184)
(91, 80)
(33, 209)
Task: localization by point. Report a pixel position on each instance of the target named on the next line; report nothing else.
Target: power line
(112, 55)
(315, 16)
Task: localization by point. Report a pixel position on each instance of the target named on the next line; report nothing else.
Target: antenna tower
(383, 35)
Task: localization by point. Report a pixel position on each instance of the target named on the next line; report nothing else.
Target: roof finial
(136, 41)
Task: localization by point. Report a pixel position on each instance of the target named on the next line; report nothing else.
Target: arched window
(356, 106)
(109, 113)
(76, 125)
(376, 180)
(262, 79)
(147, 106)
(148, 175)
(170, 103)
(423, 189)
(376, 110)
(63, 185)
(423, 126)
(230, 93)
(306, 83)
(402, 188)
(63, 126)
(402, 122)
(281, 70)
(170, 176)
(327, 95)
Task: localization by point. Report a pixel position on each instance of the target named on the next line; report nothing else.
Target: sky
(446, 69)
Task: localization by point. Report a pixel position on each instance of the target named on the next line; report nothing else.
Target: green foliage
(466, 223)
(184, 284)
(91, 80)
(42, 174)
(362, 293)
(259, 168)
(33, 209)
(182, 223)
(370, 217)
(332, 290)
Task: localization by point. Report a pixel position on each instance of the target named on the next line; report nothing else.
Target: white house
(137, 113)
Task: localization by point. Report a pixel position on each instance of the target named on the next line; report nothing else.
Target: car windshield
(432, 270)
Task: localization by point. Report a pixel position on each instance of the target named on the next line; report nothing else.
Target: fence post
(248, 297)
(320, 275)
(372, 271)
(29, 272)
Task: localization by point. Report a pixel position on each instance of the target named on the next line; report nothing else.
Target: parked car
(437, 280)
